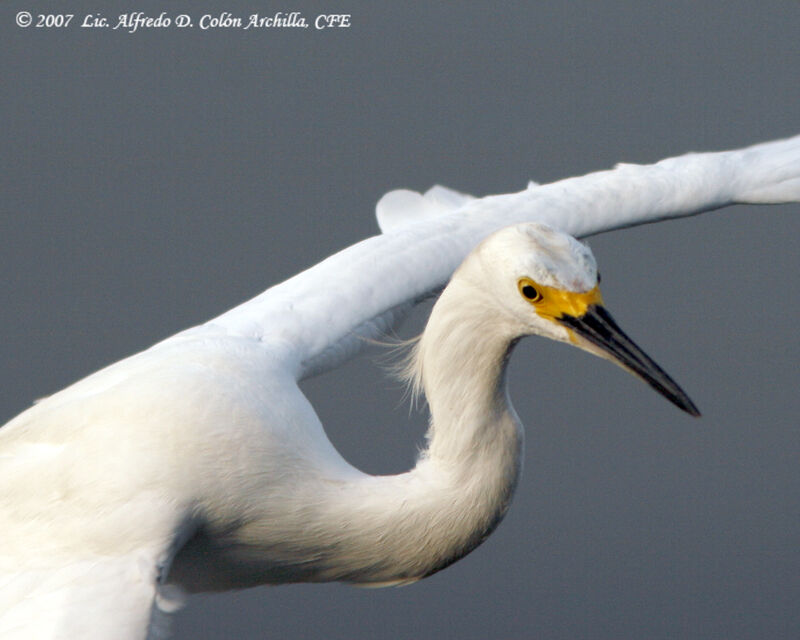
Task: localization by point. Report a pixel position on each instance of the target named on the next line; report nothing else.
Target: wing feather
(320, 317)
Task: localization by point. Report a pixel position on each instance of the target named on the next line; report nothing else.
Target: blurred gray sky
(149, 181)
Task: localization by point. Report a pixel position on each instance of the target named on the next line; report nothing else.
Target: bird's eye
(529, 291)
(598, 277)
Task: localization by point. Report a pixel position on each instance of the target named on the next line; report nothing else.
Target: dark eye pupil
(529, 292)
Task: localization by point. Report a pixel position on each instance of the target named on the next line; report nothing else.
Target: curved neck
(327, 521)
(393, 529)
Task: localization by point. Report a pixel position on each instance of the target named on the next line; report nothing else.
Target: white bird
(199, 462)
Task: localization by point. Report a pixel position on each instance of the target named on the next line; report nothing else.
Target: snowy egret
(199, 462)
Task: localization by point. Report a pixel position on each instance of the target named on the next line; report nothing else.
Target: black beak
(598, 327)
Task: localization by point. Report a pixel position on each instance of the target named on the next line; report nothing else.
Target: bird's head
(548, 283)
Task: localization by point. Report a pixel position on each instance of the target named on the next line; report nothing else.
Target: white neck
(346, 525)
(400, 528)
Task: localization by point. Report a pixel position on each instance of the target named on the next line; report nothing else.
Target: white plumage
(199, 461)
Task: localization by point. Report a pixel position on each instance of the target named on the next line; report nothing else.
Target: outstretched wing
(320, 317)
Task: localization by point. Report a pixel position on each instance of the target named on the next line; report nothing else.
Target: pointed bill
(597, 327)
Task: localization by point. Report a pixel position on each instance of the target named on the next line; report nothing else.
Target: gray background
(152, 180)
